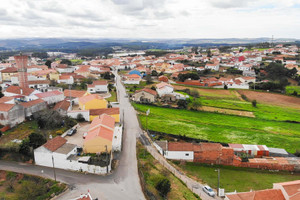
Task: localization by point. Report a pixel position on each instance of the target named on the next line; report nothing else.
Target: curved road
(122, 184)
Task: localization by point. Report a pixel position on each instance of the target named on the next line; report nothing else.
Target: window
(187, 154)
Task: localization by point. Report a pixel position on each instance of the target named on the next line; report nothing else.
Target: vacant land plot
(21, 186)
(221, 128)
(272, 99)
(152, 171)
(234, 178)
(227, 111)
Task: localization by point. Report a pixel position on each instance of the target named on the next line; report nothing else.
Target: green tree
(153, 88)
(182, 103)
(195, 104)
(36, 140)
(154, 73)
(66, 61)
(80, 118)
(209, 53)
(225, 87)
(25, 148)
(194, 93)
(106, 76)
(163, 186)
(149, 79)
(48, 63)
(254, 102)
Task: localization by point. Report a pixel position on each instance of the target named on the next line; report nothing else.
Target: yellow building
(92, 101)
(8, 73)
(113, 112)
(54, 76)
(100, 135)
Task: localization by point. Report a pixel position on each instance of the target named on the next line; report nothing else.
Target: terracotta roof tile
(48, 94)
(19, 90)
(32, 103)
(6, 107)
(150, 91)
(74, 93)
(64, 105)
(271, 194)
(108, 111)
(89, 97)
(55, 143)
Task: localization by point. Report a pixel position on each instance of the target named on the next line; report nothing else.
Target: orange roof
(292, 188)
(102, 126)
(5, 99)
(64, 105)
(6, 107)
(10, 70)
(134, 76)
(89, 97)
(39, 82)
(180, 146)
(150, 91)
(55, 143)
(98, 83)
(32, 103)
(74, 93)
(163, 84)
(109, 111)
(271, 194)
(18, 90)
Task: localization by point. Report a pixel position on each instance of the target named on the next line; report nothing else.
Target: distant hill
(77, 43)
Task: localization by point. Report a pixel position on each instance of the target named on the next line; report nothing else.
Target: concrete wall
(43, 157)
(164, 90)
(160, 150)
(54, 99)
(98, 88)
(117, 139)
(74, 113)
(179, 155)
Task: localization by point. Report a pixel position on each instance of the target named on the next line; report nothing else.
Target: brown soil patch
(212, 91)
(272, 99)
(227, 111)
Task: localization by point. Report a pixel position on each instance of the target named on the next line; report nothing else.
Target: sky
(149, 18)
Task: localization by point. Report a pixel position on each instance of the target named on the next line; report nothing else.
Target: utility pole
(218, 181)
(53, 168)
(70, 95)
(147, 113)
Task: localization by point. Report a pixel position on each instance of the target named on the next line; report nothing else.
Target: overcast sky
(150, 18)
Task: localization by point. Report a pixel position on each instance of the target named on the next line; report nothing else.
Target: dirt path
(227, 111)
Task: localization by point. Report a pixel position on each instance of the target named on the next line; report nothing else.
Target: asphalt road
(123, 183)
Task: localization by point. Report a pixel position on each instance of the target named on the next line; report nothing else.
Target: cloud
(229, 3)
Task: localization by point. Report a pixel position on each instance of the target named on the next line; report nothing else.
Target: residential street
(122, 184)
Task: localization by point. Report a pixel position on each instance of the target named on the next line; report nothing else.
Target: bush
(297, 153)
(163, 186)
(25, 148)
(254, 102)
(194, 93)
(36, 140)
(244, 97)
(80, 118)
(225, 87)
(182, 103)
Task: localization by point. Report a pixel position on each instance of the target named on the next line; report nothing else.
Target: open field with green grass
(113, 97)
(26, 187)
(221, 128)
(152, 171)
(234, 178)
(291, 89)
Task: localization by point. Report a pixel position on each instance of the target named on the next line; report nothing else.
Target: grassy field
(26, 187)
(113, 97)
(234, 178)
(222, 128)
(152, 170)
(290, 89)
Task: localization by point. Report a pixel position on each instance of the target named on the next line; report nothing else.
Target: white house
(98, 86)
(63, 155)
(246, 67)
(51, 97)
(164, 88)
(214, 66)
(66, 79)
(175, 150)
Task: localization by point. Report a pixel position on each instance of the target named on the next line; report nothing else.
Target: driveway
(77, 138)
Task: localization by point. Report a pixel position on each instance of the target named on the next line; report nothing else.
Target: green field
(291, 89)
(234, 178)
(222, 128)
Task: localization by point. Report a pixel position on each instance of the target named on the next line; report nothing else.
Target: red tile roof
(108, 111)
(55, 143)
(102, 126)
(89, 97)
(97, 83)
(39, 82)
(5, 99)
(180, 146)
(48, 94)
(64, 105)
(292, 188)
(74, 93)
(271, 194)
(6, 107)
(32, 103)
(10, 70)
(148, 90)
(163, 84)
(19, 90)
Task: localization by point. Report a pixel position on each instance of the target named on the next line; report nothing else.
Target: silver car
(208, 191)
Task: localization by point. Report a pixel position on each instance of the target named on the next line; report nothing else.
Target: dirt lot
(206, 92)
(227, 111)
(273, 99)
(77, 137)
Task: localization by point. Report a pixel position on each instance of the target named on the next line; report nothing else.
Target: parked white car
(209, 191)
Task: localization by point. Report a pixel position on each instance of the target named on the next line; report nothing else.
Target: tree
(154, 73)
(66, 61)
(163, 186)
(41, 55)
(80, 118)
(1, 94)
(182, 103)
(225, 87)
(209, 53)
(25, 148)
(149, 79)
(36, 140)
(254, 103)
(110, 86)
(48, 63)
(195, 104)
(153, 88)
(106, 76)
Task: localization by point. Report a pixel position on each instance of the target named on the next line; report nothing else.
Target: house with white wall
(164, 88)
(98, 87)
